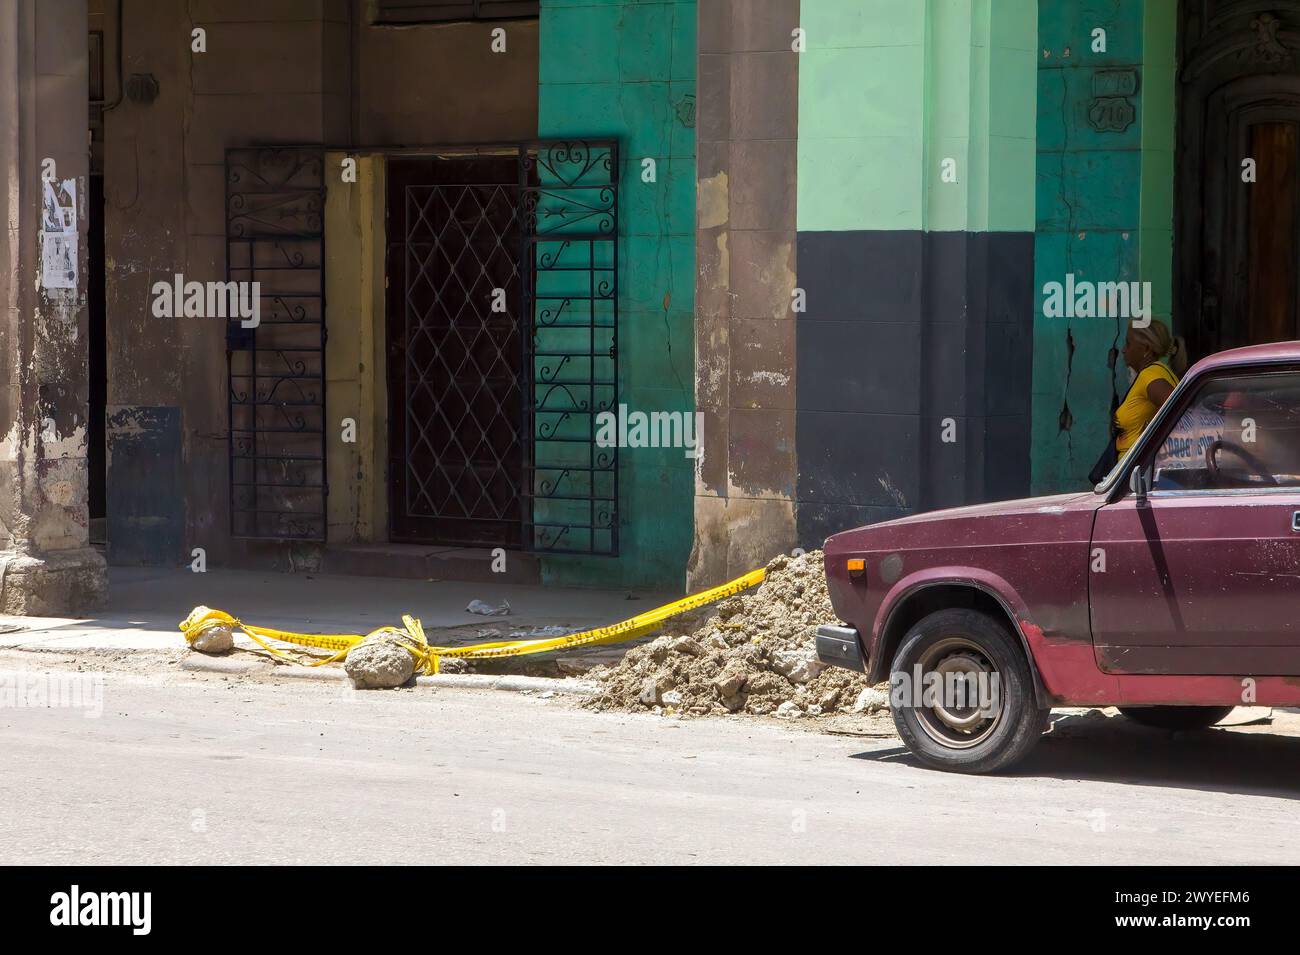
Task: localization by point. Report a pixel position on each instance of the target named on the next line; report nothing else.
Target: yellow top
(1137, 410)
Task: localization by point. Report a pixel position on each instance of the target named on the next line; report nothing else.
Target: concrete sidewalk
(146, 604)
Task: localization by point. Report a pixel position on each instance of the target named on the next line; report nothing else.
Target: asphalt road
(179, 769)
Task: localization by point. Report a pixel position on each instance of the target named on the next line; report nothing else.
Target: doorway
(455, 351)
(1237, 215)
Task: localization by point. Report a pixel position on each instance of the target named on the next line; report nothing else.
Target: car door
(1202, 574)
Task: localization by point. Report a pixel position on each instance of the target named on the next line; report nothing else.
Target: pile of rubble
(754, 653)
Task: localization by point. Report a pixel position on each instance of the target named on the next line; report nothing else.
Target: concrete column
(747, 132)
(47, 567)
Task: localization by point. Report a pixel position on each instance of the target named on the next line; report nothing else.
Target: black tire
(1177, 717)
(970, 641)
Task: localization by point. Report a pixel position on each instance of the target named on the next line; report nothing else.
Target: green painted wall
(980, 111)
(626, 69)
(888, 90)
(861, 115)
(1104, 213)
(1156, 212)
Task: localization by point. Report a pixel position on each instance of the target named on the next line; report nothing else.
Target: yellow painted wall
(354, 354)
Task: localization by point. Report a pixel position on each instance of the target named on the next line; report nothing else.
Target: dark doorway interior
(95, 454)
(1237, 242)
(454, 362)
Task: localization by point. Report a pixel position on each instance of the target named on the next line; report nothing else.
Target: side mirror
(1140, 481)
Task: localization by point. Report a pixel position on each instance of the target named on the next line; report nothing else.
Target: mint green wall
(980, 110)
(888, 90)
(861, 115)
(625, 69)
(1104, 214)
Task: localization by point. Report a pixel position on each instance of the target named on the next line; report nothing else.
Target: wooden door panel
(1270, 304)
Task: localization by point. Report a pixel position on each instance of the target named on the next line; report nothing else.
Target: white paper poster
(59, 237)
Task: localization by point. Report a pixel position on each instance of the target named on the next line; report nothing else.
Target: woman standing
(1157, 359)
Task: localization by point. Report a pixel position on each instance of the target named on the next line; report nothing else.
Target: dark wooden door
(454, 360)
(1237, 241)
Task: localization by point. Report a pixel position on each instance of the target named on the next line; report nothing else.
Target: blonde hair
(1164, 346)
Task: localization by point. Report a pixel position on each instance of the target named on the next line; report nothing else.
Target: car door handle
(1295, 521)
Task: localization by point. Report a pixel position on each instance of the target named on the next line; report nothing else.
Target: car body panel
(1198, 584)
(1035, 569)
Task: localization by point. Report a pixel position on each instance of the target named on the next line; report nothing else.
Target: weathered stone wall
(47, 566)
(745, 249)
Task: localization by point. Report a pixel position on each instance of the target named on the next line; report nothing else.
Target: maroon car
(1171, 590)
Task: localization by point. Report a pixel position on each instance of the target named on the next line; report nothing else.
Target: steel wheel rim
(948, 725)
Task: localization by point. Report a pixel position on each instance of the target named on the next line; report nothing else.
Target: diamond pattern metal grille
(460, 354)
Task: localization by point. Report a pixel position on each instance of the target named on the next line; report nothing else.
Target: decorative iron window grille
(451, 11)
(569, 192)
(275, 236)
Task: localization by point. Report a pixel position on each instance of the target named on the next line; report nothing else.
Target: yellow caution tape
(412, 637)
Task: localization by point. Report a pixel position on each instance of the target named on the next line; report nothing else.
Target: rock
(687, 645)
(379, 663)
(214, 640)
(798, 666)
(730, 608)
(870, 700)
(734, 704)
(728, 684)
(755, 652)
(764, 683)
(814, 710)
(654, 688)
(789, 710)
(672, 698)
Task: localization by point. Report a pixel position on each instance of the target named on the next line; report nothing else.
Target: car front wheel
(962, 693)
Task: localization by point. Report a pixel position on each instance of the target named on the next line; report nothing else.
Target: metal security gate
(502, 331)
(454, 350)
(275, 237)
(570, 212)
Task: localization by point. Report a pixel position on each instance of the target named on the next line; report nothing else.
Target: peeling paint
(67, 446)
(712, 197)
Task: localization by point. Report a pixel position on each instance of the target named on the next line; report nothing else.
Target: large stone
(797, 666)
(870, 700)
(728, 683)
(654, 688)
(379, 663)
(789, 710)
(214, 640)
(688, 646)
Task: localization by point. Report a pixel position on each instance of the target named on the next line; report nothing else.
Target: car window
(1240, 431)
